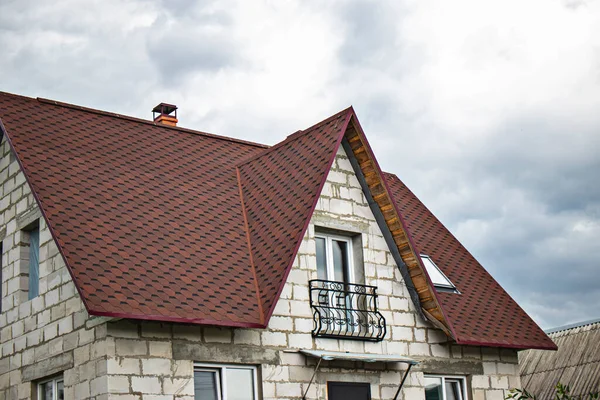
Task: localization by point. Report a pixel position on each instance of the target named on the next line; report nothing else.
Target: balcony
(345, 310)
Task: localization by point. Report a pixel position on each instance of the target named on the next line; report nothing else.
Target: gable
(343, 213)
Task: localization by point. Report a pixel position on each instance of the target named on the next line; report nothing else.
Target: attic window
(440, 281)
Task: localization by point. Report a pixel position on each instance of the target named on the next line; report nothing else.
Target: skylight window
(440, 281)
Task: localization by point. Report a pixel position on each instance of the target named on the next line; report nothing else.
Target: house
(576, 363)
(145, 261)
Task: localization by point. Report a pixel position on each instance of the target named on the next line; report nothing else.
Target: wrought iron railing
(345, 310)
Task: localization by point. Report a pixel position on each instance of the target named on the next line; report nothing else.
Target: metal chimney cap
(164, 108)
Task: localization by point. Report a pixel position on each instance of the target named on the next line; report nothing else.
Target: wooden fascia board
(380, 194)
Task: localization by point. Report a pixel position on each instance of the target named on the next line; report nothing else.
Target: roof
(570, 326)
(163, 223)
(576, 363)
(483, 313)
(150, 219)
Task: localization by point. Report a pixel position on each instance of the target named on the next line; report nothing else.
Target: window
(334, 257)
(348, 391)
(34, 263)
(52, 389)
(438, 278)
(225, 382)
(341, 311)
(444, 388)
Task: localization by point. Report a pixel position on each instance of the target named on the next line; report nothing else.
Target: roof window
(440, 281)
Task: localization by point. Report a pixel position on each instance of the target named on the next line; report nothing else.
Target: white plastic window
(437, 276)
(225, 382)
(445, 388)
(51, 389)
(334, 258)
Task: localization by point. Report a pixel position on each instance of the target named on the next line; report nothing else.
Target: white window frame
(329, 238)
(221, 374)
(54, 381)
(30, 279)
(463, 379)
(450, 285)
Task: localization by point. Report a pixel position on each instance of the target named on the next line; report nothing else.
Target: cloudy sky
(488, 110)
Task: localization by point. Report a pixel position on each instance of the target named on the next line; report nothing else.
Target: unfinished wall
(51, 333)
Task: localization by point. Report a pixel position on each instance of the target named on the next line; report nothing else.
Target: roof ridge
(291, 137)
(336, 115)
(16, 95)
(141, 120)
(574, 325)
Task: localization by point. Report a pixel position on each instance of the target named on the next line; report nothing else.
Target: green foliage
(519, 394)
(563, 392)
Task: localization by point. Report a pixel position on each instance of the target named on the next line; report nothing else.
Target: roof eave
(163, 318)
(516, 346)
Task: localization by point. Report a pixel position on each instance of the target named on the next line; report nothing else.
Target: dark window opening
(348, 391)
(34, 263)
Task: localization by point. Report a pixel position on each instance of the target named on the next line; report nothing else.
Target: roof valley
(249, 243)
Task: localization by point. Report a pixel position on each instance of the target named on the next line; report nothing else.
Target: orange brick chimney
(164, 116)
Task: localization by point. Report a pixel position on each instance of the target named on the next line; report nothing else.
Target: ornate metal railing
(345, 310)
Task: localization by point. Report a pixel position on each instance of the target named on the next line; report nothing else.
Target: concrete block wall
(141, 365)
(51, 333)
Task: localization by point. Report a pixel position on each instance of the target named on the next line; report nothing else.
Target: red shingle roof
(146, 217)
(483, 314)
(170, 224)
(280, 188)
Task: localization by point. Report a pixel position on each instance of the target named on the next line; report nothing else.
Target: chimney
(164, 116)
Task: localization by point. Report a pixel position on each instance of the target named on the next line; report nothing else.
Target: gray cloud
(527, 207)
(191, 37)
(179, 53)
(575, 4)
(369, 27)
(491, 120)
(554, 163)
(57, 50)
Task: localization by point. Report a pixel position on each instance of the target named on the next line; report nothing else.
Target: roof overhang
(323, 355)
(417, 279)
(364, 357)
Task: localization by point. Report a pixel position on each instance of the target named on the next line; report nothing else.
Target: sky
(488, 110)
